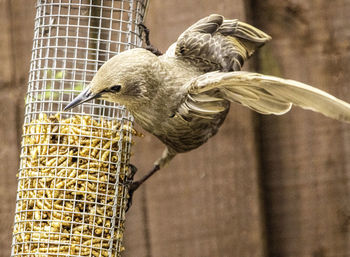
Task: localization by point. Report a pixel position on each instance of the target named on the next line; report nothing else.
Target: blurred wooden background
(264, 186)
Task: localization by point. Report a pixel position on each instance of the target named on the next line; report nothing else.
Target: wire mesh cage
(71, 193)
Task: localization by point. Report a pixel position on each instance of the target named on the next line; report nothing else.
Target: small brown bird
(183, 96)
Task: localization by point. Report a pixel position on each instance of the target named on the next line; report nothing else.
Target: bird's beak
(84, 96)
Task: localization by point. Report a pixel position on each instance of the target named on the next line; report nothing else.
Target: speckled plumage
(183, 96)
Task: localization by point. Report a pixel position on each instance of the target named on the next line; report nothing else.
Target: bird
(183, 96)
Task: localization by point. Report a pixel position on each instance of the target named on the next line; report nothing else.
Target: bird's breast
(179, 134)
(159, 115)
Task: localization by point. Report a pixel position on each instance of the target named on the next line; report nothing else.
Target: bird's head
(122, 79)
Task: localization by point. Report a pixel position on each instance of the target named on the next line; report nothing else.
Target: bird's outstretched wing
(214, 43)
(261, 93)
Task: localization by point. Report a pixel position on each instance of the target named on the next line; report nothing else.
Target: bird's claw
(131, 173)
(144, 30)
(132, 186)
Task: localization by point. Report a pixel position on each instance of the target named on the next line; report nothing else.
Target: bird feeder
(72, 192)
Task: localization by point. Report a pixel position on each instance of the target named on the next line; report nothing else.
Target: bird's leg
(133, 185)
(136, 184)
(144, 30)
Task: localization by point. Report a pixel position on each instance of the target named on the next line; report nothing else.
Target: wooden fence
(265, 185)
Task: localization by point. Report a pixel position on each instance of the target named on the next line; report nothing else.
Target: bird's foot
(129, 184)
(133, 185)
(144, 30)
(132, 171)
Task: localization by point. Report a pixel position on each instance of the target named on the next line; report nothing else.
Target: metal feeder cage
(71, 195)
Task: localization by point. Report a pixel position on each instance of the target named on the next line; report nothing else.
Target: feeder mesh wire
(71, 196)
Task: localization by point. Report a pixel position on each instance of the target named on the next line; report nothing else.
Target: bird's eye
(115, 88)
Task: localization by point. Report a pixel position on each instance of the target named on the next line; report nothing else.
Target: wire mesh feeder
(71, 184)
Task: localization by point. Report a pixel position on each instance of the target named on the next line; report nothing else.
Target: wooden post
(305, 156)
(16, 30)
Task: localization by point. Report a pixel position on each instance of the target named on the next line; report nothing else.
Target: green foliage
(50, 86)
(49, 93)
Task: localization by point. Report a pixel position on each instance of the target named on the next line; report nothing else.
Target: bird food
(71, 197)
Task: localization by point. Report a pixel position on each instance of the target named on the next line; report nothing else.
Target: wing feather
(214, 43)
(268, 94)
